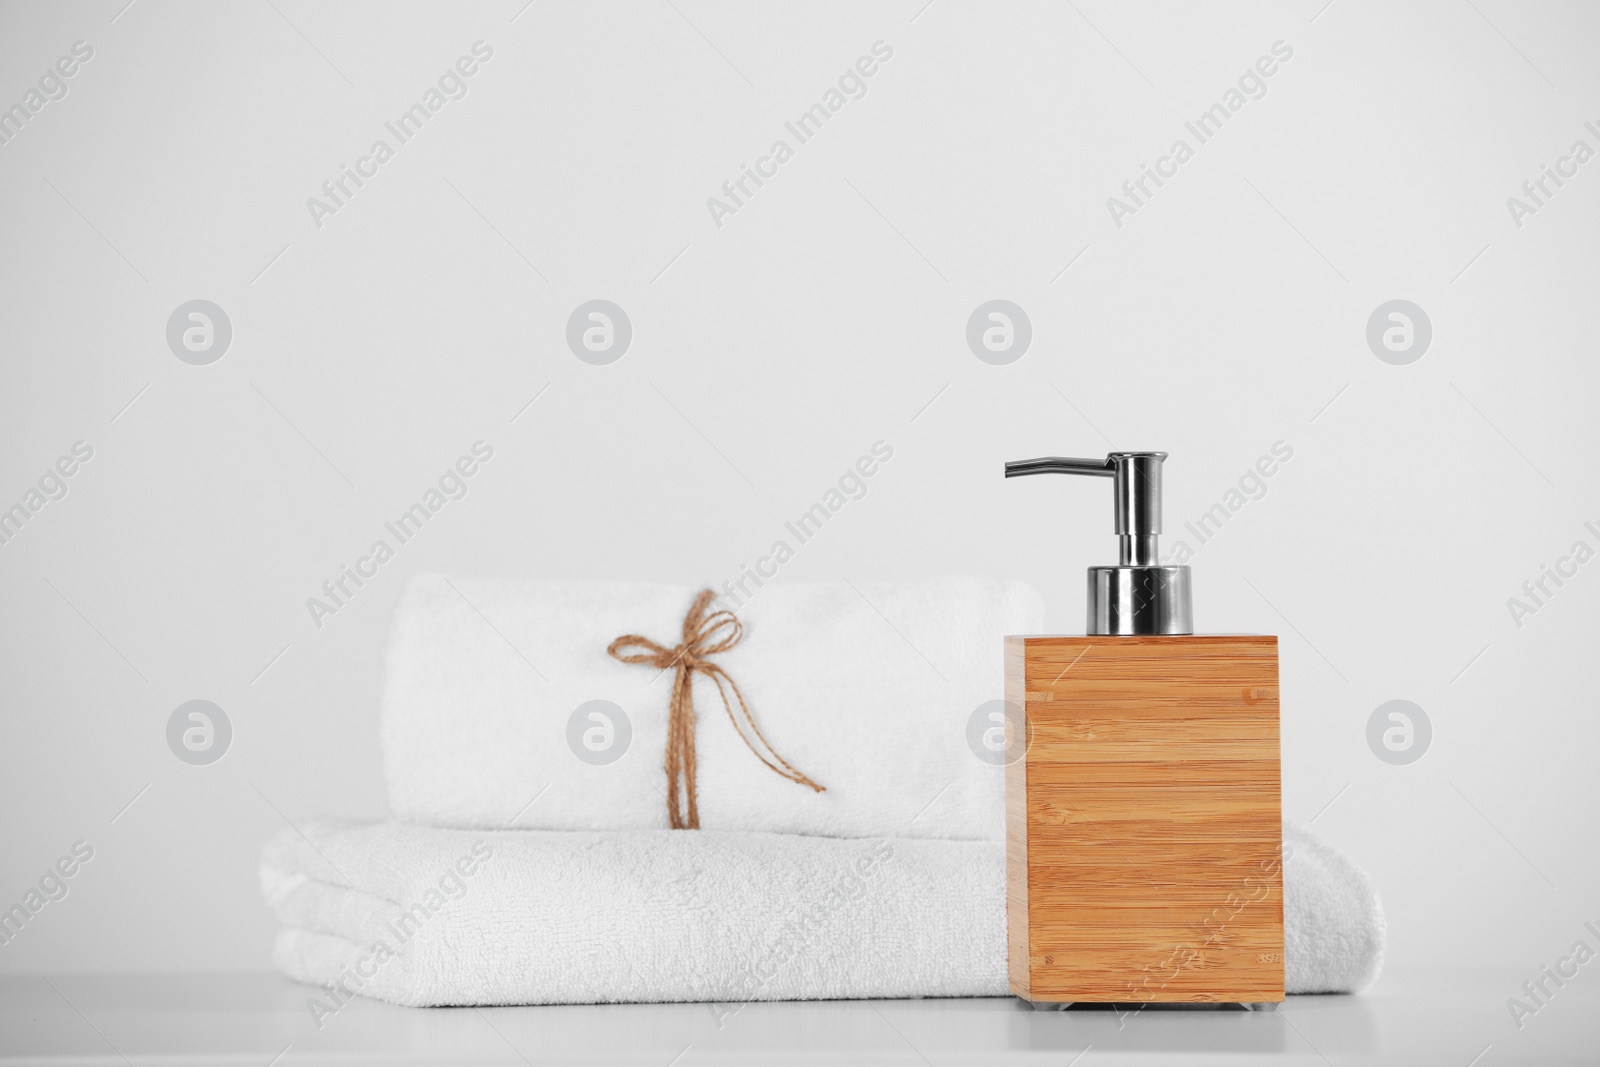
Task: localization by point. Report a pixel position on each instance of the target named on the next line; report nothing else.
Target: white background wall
(1227, 314)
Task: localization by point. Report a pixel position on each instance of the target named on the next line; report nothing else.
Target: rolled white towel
(426, 916)
(869, 690)
(1333, 924)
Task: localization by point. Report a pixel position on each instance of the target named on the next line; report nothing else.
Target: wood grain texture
(1016, 776)
(1144, 821)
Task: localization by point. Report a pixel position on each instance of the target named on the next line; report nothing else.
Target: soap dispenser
(1144, 819)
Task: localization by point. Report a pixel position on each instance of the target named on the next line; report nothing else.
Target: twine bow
(704, 634)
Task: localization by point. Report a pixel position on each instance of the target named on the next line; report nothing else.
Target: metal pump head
(1138, 596)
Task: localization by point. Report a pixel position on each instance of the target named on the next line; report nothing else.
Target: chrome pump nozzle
(1138, 596)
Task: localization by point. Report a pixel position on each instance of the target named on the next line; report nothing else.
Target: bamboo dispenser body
(1144, 819)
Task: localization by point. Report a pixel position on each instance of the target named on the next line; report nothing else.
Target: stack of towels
(529, 860)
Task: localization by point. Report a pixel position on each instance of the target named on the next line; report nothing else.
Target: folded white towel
(868, 690)
(539, 917)
(427, 916)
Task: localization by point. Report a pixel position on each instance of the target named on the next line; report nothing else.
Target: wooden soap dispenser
(1143, 806)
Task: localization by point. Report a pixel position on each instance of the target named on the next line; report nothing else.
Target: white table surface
(1409, 1017)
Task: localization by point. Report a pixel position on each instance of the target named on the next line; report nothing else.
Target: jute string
(705, 633)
